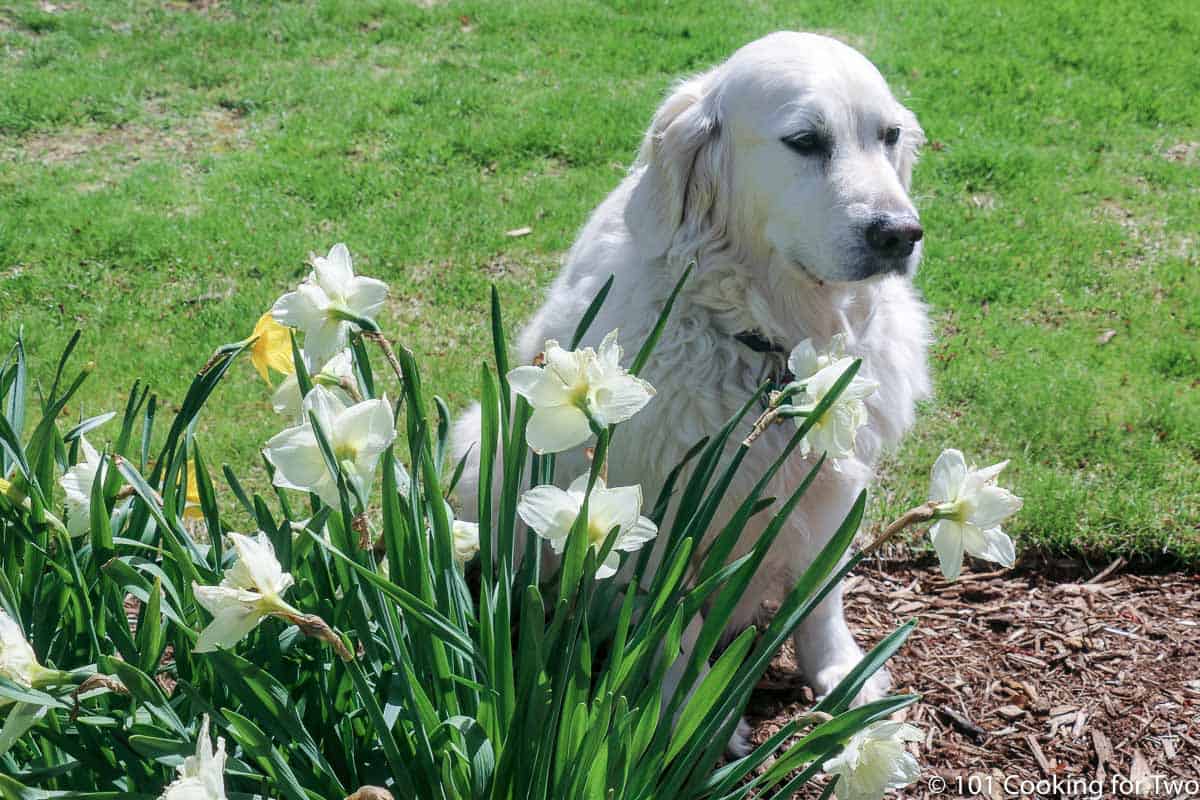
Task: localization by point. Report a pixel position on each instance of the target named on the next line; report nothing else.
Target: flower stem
(390, 354)
(922, 513)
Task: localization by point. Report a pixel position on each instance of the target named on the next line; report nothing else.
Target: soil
(1033, 685)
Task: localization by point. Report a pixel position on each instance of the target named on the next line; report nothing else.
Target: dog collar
(775, 368)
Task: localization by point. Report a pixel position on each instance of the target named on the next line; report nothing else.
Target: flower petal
(619, 398)
(257, 555)
(540, 388)
(335, 271)
(642, 531)
(549, 511)
(555, 429)
(609, 567)
(993, 545)
(326, 406)
(946, 480)
(298, 461)
(304, 308)
(617, 507)
(992, 505)
(365, 297)
(368, 428)
(948, 539)
(803, 360)
(228, 627)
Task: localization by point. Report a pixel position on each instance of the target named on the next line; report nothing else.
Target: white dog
(784, 174)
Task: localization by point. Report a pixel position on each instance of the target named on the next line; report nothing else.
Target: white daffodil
(874, 761)
(251, 589)
(358, 435)
(77, 483)
(834, 433)
(466, 540)
(573, 386)
(19, 664)
(970, 508)
(336, 373)
(551, 512)
(806, 360)
(323, 305)
(202, 776)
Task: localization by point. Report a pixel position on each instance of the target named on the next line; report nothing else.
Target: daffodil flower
(202, 776)
(191, 506)
(327, 302)
(250, 590)
(271, 348)
(835, 432)
(77, 482)
(875, 760)
(806, 360)
(970, 508)
(19, 664)
(466, 540)
(335, 374)
(551, 513)
(574, 390)
(358, 435)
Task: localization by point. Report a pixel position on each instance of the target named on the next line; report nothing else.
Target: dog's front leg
(826, 651)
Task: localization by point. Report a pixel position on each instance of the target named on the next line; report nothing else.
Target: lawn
(165, 168)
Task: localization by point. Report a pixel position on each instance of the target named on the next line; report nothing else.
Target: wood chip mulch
(1033, 685)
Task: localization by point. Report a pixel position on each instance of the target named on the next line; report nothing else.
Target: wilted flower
(251, 589)
(573, 386)
(202, 776)
(271, 348)
(874, 760)
(335, 375)
(834, 433)
(77, 482)
(551, 512)
(466, 540)
(357, 434)
(324, 305)
(970, 508)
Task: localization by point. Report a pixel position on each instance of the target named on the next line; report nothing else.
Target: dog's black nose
(893, 235)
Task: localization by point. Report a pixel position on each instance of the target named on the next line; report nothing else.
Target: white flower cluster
(572, 395)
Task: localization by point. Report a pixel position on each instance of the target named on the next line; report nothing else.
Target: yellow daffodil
(272, 348)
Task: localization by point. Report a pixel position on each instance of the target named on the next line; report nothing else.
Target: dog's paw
(875, 688)
(739, 744)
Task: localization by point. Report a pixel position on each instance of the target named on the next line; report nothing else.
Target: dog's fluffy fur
(778, 237)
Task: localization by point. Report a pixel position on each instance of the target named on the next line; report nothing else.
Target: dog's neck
(780, 304)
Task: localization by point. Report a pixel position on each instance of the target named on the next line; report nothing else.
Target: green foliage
(164, 169)
(531, 683)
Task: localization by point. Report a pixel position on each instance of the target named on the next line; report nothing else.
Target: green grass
(163, 172)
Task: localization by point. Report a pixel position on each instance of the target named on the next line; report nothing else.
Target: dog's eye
(891, 135)
(808, 143)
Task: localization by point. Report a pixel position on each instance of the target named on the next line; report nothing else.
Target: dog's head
(793, 149)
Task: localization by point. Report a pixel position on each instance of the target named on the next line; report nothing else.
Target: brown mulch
(1026, 677)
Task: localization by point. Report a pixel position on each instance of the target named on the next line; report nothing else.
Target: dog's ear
(677, 159)
(914, 138)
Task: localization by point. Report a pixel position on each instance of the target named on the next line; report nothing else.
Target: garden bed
(1028, 677)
